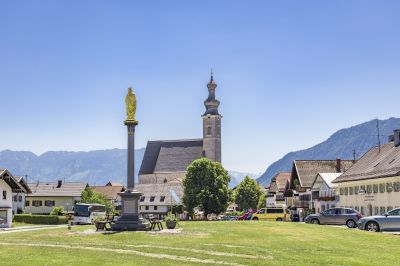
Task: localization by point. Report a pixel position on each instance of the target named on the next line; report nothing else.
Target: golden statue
(130, 101)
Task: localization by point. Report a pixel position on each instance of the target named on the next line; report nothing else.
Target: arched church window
(165, 180)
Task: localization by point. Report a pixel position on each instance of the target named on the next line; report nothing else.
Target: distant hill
(93, 167)
(341, 144)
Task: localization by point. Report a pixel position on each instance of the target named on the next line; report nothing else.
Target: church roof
(170, 155)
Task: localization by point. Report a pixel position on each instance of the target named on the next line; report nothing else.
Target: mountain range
(93, 167)
(359, 138)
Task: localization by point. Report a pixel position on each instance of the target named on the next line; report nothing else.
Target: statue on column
(130, 101)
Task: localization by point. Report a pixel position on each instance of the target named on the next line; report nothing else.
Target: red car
(247, 215)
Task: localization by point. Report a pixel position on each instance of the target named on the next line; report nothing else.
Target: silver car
(390, 221)
(339, 216)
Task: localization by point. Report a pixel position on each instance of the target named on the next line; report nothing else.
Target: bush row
(40, 219)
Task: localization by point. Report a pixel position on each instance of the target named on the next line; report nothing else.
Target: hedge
(40, 219)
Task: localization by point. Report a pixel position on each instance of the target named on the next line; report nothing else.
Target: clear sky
(289, 73)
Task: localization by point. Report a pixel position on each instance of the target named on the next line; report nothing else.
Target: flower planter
(171, 224)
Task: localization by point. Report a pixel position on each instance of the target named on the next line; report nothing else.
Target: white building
(19, 197)
(372, 185)
(323, 192)
(8, 185)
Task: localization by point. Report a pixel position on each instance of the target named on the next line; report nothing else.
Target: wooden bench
(155, 222)
(102, 225)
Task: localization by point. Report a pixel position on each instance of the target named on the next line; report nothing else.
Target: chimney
(396, 137)
(338, 165)
(59, 183)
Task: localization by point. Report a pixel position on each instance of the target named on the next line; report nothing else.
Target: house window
(209, 131)
(20, 198)
(147, 208)
(4, 195)
(155, 208)
(142, 198)
(27, 203)
(15, 198)
(37, 203)
(49, 203)
(162, 198)
(152, 198)
(165, 180)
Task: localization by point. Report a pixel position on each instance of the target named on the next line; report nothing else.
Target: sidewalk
(30, 228)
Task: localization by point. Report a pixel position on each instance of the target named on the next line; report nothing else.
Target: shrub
(40, 219)
(57, 211)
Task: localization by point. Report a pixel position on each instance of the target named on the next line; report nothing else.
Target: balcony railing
(332, 198)
(301, 203)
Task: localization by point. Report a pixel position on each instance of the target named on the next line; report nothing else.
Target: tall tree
(89, 196)
(248, 193)
(206, 186)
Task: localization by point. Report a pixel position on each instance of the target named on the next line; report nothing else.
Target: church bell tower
(212, 125)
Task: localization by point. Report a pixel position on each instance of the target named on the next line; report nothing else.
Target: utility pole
(354, 155)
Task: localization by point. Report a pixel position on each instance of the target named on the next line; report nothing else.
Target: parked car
(272, 213)
(247, 215)
(339, 216)
(390, 221)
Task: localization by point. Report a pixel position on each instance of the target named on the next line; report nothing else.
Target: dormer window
(142, 198)
(152, 198)
(162, 198)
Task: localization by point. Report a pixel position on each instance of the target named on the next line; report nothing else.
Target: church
(165, 162)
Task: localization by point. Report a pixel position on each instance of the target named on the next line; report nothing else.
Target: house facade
(275, 193)
(304, 173)
(372, 185)
(165, 162)
(45, 196)
(19, 197)
(323, 192)
(8, 185)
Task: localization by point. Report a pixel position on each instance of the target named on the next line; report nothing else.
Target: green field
(213, 243)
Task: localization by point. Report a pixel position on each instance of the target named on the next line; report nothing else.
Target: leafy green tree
(89, 196)
(262, 201)
(57, 211)
(206, 186)
(247, 193)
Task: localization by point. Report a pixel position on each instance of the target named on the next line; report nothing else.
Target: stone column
(130, 218)
(131, 155)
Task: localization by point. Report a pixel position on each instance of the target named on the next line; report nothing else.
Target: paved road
(30, 228)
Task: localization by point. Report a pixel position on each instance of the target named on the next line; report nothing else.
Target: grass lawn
(213, 243)
(17, 224)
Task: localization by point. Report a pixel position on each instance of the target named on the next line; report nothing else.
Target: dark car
(338, 216)
(390, 221)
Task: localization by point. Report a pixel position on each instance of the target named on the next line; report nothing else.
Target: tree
(247, 193)
(206, 186)
(57, 211)
(262, 201)
(89, 196)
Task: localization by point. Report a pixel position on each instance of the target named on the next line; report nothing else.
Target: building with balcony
(323, 192)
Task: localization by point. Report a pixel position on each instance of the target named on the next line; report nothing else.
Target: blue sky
(289, 73)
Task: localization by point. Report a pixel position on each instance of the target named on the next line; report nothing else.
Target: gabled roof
(50, 189)
(170, 156)
(281, 180)
(307, 170)
(110, 192)
(375, 164)
(11, 180)
(23, 184)
(327, 178)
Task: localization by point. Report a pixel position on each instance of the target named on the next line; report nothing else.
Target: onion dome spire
(211, 103)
